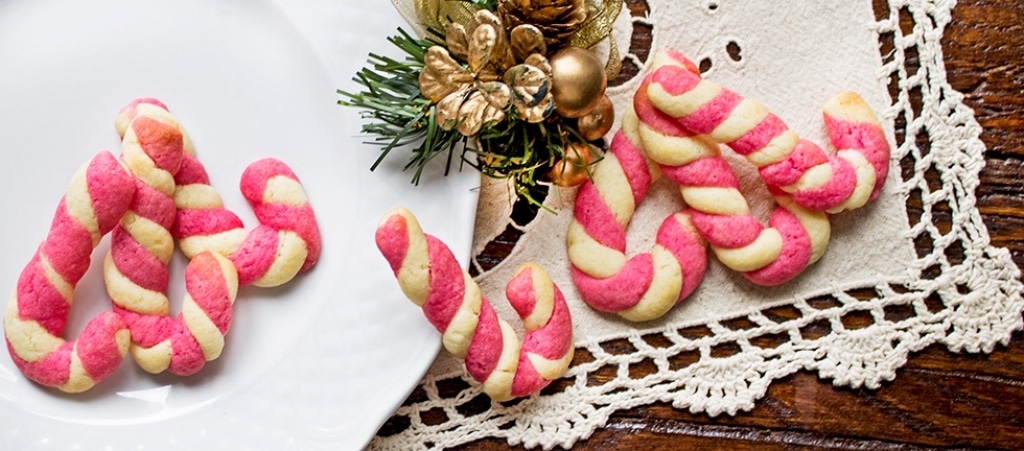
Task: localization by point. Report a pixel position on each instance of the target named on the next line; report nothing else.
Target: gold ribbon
(601, 15)
(437, 14)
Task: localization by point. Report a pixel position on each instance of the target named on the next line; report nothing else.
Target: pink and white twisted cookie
(788, 164)
(796, 237)
(647, 285)
(135, 269)
(37, 312)
(431, 277)
(287, 240)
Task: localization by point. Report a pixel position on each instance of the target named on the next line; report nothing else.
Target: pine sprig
(395, 111)
(397, 115)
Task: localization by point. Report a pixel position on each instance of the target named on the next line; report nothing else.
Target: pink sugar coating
(111, 189)
(759, 137)
(706, 117)
(187, 357)
(688, 250)
(620, 291)
(634, 165)
(796, 251)
(836, 191)
(206, 283)
(486, 346)
(68, 246)
(554, 339)
(256, 254)
(447, 285)
(727, 231)
(866, 137)
(146, 330)
(527, 380)
(653, 117)
(597, 218)
(38, 299)
(191, 172)
(154, 205)
(521, 294)
(52, 370)
(392, 238)
(703, 172)
(675, 80)
(804, 156)
(192, 222)
(97, 346)
(136, 263)
(161, 142)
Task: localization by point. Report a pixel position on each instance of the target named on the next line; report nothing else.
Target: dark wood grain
(939, 399)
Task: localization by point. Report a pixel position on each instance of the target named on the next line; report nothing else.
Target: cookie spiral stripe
(787, 164)
(287, 240)
(647, 285)
(136, 272)
(451, 301)
(37, 311)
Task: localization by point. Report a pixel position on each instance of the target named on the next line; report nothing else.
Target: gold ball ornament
(573, 168)
(578, 81)
(598, 121)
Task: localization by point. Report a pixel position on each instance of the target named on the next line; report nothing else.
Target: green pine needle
(397, 115)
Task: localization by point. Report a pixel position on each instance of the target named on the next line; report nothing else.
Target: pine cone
(557, 19)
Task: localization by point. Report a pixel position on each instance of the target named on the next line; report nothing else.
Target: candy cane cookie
(177, 202)
(795, 238)
(647, 285)
(819, 182)
(431, 277)
(37, 312)
(135, 270)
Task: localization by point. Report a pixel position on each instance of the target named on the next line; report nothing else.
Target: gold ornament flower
(531, 88)
(474, 95)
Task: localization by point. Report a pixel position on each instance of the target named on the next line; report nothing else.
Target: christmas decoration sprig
(504, 89)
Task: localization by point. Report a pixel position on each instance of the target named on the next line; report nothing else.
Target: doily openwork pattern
(962, 293)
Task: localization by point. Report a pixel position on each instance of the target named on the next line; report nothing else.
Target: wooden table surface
(938, 399)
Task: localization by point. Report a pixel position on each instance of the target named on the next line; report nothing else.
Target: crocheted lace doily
(853, 318)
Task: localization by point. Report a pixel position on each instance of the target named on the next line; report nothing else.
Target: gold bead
(573, 168)
(578, 81)
(598, 121)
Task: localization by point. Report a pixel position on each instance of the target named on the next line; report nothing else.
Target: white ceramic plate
(319, 363)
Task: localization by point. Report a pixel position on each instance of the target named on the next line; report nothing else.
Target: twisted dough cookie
(37, 312)
(796, 237)
(432, 278)
(677, 122)
(135, 270)
(788, 164)
(175, 201)
(647, 285)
